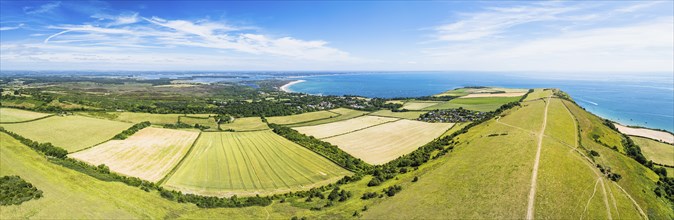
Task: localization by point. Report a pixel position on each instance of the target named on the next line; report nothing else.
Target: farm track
(534, 176)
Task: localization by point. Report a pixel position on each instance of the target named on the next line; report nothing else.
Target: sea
(643, 99)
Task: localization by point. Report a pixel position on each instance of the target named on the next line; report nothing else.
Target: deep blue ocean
(644, 100)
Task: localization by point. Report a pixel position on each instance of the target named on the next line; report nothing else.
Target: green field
(72, 133)
(406, 115)
(201, 120)
(470, 183)
(538, 94)
(249, 163)
(659, 152)
(304, 117)
(483, 104)
(343, 114)
(245, 124)
(18, 115)
(69, 194)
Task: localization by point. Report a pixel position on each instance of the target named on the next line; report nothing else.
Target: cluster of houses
(452, 115)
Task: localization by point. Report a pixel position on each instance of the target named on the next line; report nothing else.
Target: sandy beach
(286, 87)
(647, 133)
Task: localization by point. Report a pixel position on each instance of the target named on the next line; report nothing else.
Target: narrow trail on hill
(534, 175)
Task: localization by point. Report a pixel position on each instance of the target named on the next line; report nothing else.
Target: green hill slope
(490, 176)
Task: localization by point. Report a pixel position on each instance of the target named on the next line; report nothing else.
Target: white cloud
(42, 9)
(9, 28)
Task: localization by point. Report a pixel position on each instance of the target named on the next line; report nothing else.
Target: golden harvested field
(18, 115)
(406, 115)
(342, 114)
(304, 117)
(341, 127)
(72, 133)
(418, 105)
(148, 154)
(644, 132)
(383, 143)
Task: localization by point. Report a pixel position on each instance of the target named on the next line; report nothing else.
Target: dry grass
(310, 116)
(149, 154)
(383, 143)
(418, 105)
(643, 132)
(341, 127)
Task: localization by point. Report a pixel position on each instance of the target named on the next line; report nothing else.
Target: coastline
(286, 87)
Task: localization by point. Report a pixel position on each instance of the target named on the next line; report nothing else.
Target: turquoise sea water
(643, 100)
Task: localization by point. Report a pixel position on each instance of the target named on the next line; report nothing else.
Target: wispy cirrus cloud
(548, 37)
(45, 8)
(9, 28)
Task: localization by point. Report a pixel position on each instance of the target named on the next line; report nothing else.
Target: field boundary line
(30, 120)
(313, 120)
(534, 176)
(641, 211)
(175, 168)
(360, 129)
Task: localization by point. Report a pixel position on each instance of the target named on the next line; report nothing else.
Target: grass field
(201, 120)
(419, 105)
(343, 114)
(250, 163)
(483, 104)
(246, 124)
(18, 115)
(485, 92)
(659, 152)
(72, 133)
(149, 154)
(538, 94)
(528, 117)
(304, 117)
(341, 127)
(383, 143)
(470, 183)
(69, 194)
(406, 115)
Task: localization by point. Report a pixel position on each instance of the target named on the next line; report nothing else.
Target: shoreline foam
(286, 87)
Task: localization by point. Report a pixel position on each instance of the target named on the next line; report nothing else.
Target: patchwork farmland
(383, 143)
(250, 163)
(11, 115)
(149, 154)
(342, 114)
(341, 127)
(304, 117)
(72, 133)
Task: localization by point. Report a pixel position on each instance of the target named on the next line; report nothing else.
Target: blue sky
(551, 36)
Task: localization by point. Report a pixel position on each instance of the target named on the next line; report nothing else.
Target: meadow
(412, 115)
(245, 124)
(250, 163)
(659, 152)
(304, 117)
(343, 114)
(469, 183)
(538, 94)
(72, 133)
(148, 154)
(13, 115)
(385, 142)
(341, 127)
(69, 194)
(483, 104)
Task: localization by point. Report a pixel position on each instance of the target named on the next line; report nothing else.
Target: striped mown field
(148, 154)
(250, 163)
(385, 142)
(341, 127)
